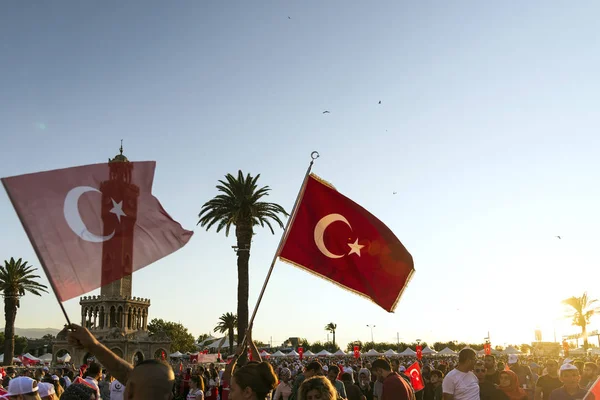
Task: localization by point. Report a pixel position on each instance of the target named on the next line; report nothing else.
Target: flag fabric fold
(94, 224)
(338, 240)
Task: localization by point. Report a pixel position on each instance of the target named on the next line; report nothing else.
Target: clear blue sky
(488, 131)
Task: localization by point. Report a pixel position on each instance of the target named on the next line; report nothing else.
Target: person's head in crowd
(313, 368)
(94, 371)
(252, 382)
(437, 377)
(317, 388)
(479, 370)
(22, 388)
(79, 391)
(500, 366)
(552, 367)
(395, 365)
(381, 368)
(346, 377)
(570, 376)
(364, 377)
(333, 373)
(46, 391)
(150, 379)
(590, 371)
(285, 375)
(467, 359)
(196, 382)
(489, 362)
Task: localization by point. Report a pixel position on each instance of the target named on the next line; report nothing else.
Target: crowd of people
(467, 378)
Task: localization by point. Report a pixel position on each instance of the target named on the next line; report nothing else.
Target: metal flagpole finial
(314, 155)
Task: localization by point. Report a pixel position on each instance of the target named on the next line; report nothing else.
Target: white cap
(568, 367)
(567, 361)
(402, 368)
(513, 359)
(46, 389)
(21, 385)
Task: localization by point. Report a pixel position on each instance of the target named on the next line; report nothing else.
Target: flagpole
(314, 155)
(37, 253)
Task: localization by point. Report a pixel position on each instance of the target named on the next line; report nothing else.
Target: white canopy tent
(595, 351)
(217, 343)
(408, 352)
(46, 357)
(447, 352)
(372, 353)
(177, 354)
(277, 354)
(64, 359)
(208, 341)
(309, 354)
(340, 353)
(511, 350)
(292, 353)
(390, 353)
(428, 350)
(323, 353)
(264, 353)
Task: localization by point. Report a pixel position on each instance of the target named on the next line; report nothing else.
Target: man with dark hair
(487, 390)
(314, 368)
(589, 376)
(433, 388)
(492, 375)
(353, 392)
(394, 387)
(547, 383)
(149, 380)
(461, 383)
(332, 374)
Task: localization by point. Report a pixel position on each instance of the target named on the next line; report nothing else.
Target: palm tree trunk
(10, 313)
(585, 337)
(244, 238)
(230, 333)
(333, 339)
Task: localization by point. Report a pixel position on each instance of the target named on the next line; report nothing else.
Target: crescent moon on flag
(73, 218)
(320, 233)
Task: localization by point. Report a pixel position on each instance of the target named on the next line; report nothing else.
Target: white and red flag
(414, 372)
(94, 224)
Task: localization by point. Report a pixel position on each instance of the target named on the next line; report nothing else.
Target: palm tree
(331, 327)
(16, 278)
(227, 323)
(239, 205)
(581, 313)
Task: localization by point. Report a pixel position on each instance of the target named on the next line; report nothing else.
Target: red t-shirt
(396, 388)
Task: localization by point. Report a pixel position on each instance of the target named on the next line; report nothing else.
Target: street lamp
(372, 326)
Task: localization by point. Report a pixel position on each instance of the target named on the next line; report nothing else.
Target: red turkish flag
(414, 372)
(300, 353)
(419, 352)
(594, 392)
(338, 240)
(94, 224)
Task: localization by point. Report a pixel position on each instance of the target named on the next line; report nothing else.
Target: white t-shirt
(193, 394)
(117, 390)
(461, 385)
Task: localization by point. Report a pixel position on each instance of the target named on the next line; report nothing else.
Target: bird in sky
(326, 112)
(289, 17)
(395, 192)
(558, 237)
(379, 101)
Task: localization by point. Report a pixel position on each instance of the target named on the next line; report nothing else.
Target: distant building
(117, 319)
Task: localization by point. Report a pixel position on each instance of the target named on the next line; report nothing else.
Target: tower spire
(121, 148)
